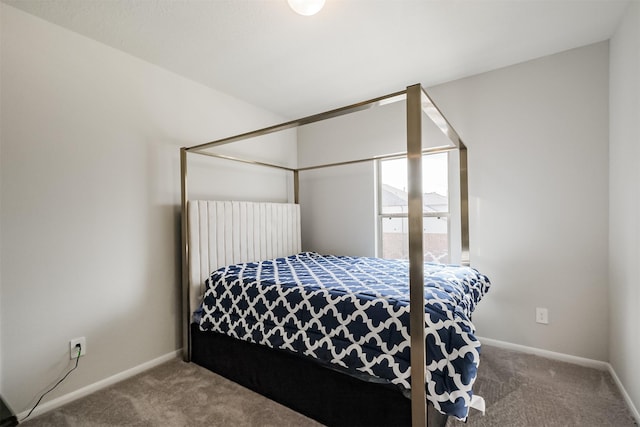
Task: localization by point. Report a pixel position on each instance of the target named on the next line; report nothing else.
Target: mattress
(352, 313)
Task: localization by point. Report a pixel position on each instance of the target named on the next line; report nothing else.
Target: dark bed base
(328, 396)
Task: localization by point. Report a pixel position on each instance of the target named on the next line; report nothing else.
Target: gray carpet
(520, 390)
(173, 394)
(526, 390)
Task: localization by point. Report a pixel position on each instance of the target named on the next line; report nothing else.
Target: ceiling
(262, 52)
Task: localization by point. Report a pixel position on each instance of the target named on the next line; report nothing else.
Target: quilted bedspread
(353, 313)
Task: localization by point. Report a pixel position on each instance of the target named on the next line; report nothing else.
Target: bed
(329, 336)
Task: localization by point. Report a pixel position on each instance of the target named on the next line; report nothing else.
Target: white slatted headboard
(224, 233)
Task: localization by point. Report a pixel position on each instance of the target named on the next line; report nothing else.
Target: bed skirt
(328, 396)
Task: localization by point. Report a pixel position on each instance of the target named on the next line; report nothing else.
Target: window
(393, 224)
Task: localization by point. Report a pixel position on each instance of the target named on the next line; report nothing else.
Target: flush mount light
(306, 7)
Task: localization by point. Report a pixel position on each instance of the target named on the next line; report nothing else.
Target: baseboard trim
(582, 361)
(576, 360)
(91, 388)
(625, 395)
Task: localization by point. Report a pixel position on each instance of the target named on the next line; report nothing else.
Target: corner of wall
(624, 203)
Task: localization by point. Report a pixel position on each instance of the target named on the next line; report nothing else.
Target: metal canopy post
(186, 315)
(464, 206)
(416, 257)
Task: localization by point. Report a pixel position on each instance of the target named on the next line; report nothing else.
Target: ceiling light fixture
(306, 7)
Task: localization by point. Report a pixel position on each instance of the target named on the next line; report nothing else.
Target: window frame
(380, 216)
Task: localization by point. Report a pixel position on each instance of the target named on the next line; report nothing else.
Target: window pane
(435, 185)
(395, 239)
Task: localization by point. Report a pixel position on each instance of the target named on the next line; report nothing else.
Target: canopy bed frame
(230, 350)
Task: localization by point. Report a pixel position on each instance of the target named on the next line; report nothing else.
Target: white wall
(624, 199)
(337, 210)
(380, 130)
(338, 204)
(537, 135)
(90, 202)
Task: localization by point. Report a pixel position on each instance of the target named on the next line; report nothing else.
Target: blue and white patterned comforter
(353, 313)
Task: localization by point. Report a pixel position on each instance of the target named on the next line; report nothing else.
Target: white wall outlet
(542, 315)
(73, 351)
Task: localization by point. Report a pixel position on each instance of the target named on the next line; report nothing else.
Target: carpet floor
(524, 390)
(520, 390)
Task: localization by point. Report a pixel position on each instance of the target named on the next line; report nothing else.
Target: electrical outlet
(542, 315)
(73, 351)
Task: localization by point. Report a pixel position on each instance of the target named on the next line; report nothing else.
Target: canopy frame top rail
(417, 101)
(428, 106)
